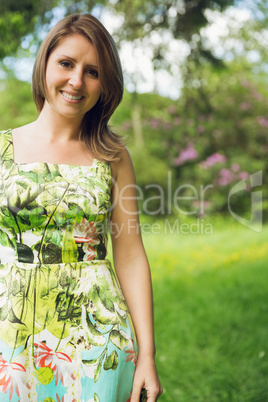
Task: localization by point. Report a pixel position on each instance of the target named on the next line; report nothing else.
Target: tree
(18, 19)
(182, 19)
(176, 19)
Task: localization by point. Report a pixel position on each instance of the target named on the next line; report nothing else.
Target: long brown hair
(102, 142)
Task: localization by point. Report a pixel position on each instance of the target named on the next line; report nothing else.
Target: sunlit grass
(185, 253)
(211, 313)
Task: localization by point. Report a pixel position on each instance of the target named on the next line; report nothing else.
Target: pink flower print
(89, 251)
(86, 232)
(63, 400)
(57, 361)
(12, 376)
(132, 356)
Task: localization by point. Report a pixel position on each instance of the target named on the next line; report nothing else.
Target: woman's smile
(70, 97)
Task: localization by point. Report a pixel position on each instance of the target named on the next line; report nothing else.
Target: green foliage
(111, 361)
(44, 375)
(213, 137)
(184, 18)
(225, 114)
(16, 104)
(180, 19)
(18, 19)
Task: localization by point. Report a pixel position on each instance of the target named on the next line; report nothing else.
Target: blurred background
(195, 118)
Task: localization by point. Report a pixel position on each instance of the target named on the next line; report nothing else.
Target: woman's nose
(76, 78)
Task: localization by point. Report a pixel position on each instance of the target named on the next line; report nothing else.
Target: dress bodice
(52, 213)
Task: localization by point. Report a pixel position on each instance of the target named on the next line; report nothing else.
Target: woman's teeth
(71, 97)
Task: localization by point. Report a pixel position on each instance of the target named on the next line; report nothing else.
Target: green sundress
(65, 330)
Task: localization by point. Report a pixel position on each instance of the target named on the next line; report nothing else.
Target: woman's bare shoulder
(23, 130)
(124, 166)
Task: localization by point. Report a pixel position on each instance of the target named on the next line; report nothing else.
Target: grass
(211, 313)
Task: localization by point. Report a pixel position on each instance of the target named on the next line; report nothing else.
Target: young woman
(72, 329)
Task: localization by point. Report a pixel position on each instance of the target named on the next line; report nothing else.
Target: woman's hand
(146, 377)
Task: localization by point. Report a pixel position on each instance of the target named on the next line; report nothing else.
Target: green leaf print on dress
(65, 325)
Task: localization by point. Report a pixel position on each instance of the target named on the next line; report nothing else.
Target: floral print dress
(65, 330)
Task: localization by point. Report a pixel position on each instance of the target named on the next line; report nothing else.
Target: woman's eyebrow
(67, 57)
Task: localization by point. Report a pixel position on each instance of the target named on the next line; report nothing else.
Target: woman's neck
(57, 127)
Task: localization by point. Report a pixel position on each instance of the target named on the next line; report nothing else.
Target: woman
(66, 332)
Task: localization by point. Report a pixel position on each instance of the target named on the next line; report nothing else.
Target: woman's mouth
(71, 97)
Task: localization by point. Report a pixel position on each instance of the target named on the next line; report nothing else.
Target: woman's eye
(93, 73)
(65, 64)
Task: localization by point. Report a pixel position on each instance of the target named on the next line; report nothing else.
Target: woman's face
(72, 80)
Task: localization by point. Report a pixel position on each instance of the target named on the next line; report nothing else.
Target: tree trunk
(136, 121)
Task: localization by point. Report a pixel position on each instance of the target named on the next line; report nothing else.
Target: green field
(211, 313)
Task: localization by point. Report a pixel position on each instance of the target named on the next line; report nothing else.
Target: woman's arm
(133, 272)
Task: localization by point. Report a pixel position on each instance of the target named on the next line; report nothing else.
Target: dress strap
(6, 145)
